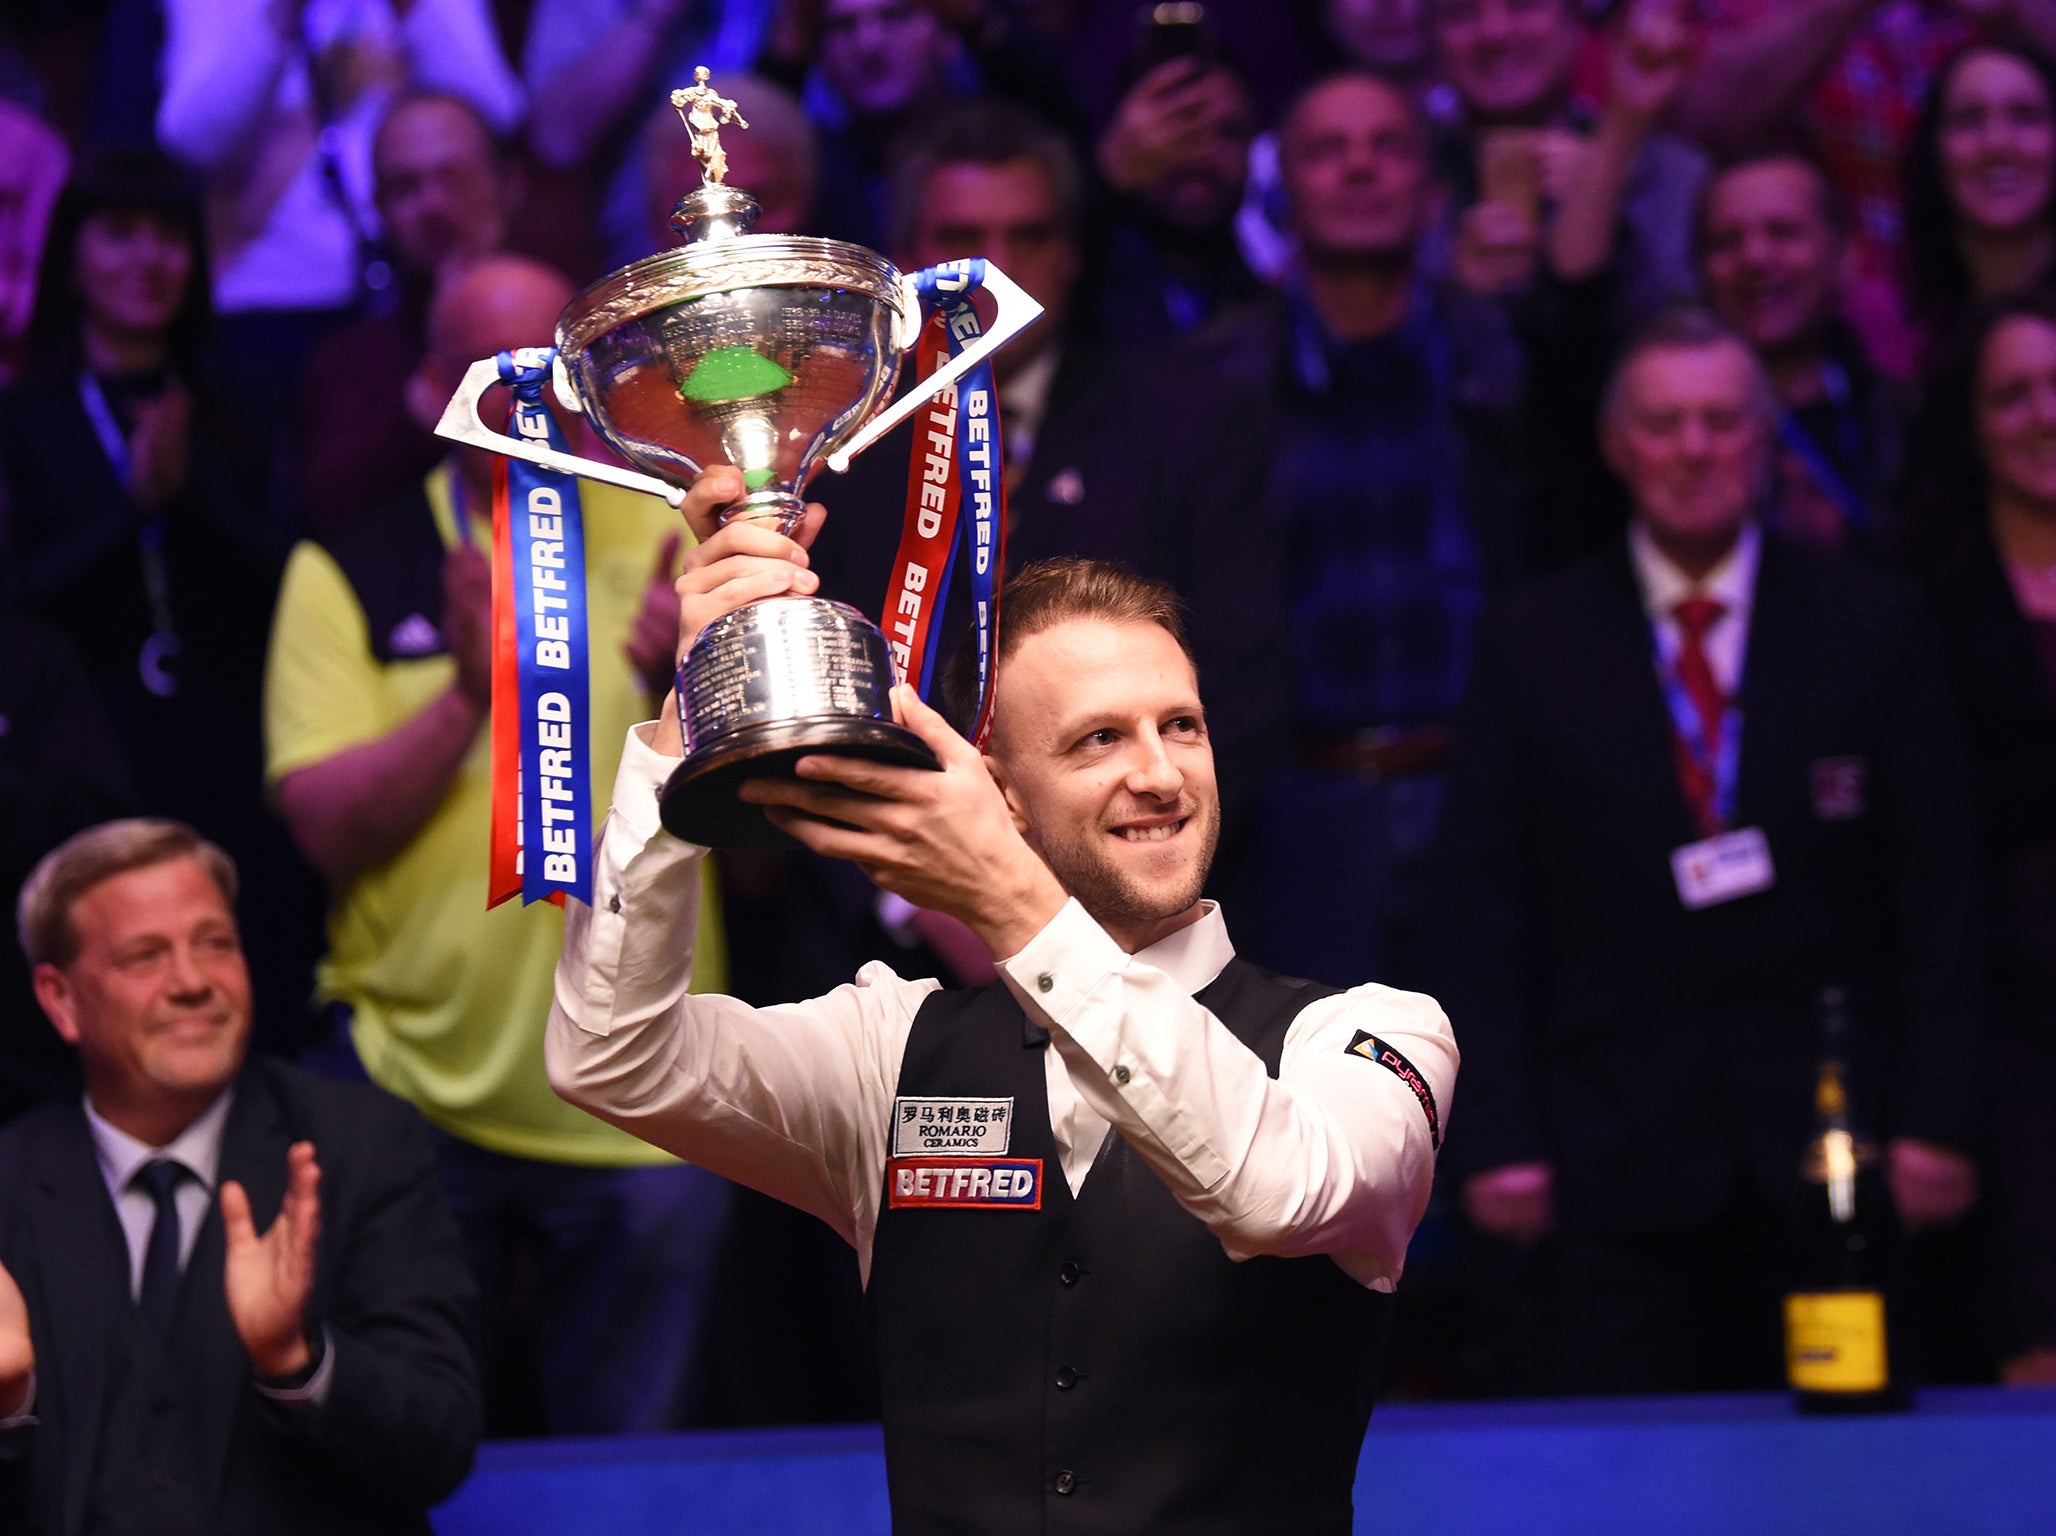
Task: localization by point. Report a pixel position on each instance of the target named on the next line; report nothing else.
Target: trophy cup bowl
(773, 354)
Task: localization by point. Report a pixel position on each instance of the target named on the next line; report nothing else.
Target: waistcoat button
(1068, 1275)
(1065, 1481)
(1066, 1378)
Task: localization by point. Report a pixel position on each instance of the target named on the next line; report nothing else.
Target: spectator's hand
(1648, 61)
(1560, 159)
(17, 1347)
(269, 1278)
(468, 621)
(1931, 1185)
(1516, 1202)
(946, 841)
(159, 447)
(1497, 246)
(1168, 111)
(2035, 1368)
(652, 646)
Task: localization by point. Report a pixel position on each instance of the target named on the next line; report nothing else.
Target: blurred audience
(131, 526)
(1982, 537)
(33, 163)
(1535, 175)
(274, 103)
(879, 64)
(1774, 257)
(376, 697)
(1384, 403)
(444, 190)
(164, 1367)
(1173, 165)
(60, 771)
(1697, 780)
(1981, 184)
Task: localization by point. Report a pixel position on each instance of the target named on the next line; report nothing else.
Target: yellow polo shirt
(449, 1000)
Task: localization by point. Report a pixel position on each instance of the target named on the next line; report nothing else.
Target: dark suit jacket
(1658, 1057)
(402, 1416)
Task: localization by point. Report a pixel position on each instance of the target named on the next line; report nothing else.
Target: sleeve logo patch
(1371, 1048)
(935, 1127)
(964, 1183)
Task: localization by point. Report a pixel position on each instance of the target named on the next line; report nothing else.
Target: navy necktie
(160, 1179)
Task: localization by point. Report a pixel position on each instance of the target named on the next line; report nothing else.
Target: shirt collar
(197, 1147)
(1196, 953)
(1731, 583)
(1025, 396)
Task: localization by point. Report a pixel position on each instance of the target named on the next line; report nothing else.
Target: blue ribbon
(948, 289)
(547, 541)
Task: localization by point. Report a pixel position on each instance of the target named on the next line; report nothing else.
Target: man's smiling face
(1101, 747)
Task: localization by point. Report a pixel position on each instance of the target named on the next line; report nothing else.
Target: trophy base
(698, 802)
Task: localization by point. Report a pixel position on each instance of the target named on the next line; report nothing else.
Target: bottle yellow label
(1835, 1341)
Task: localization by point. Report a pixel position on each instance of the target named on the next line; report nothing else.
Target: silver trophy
(772, 353)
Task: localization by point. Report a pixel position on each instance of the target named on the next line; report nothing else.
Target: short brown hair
(1052, 592)
(1686, 327)
(42, 913)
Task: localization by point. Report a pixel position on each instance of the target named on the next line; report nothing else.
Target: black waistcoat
(1099, 1365)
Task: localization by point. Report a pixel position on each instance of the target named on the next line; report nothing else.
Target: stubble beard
(1117, 900)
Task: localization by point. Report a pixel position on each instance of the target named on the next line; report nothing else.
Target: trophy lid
(714, 210)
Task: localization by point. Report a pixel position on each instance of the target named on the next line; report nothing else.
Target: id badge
(1723, 868)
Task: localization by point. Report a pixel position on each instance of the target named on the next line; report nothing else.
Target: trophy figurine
(775, 354)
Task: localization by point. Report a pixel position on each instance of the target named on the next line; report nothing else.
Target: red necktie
(1695, 616)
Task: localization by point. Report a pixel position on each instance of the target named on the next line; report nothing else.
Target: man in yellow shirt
(376, 699)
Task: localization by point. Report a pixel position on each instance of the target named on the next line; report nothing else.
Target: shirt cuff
(1062, 966)
(311, 1385)
(642, 774)
(27, 1416)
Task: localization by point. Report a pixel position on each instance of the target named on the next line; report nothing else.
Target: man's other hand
(269, 1278)
(1516, 1202)
(945, 841)
(17, 1348)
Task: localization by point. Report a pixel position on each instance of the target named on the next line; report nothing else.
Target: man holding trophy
(1130, 1217)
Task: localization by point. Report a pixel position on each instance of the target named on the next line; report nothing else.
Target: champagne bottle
(1838, 1355)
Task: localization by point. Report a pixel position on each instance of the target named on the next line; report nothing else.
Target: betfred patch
(965, 1183)
(1371, 1048)
(925, 1127)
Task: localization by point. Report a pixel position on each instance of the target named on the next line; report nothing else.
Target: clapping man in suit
(1699, 778)
(230, 1293)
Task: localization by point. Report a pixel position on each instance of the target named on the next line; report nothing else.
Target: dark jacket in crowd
(138, 1432)
(1662, 1059)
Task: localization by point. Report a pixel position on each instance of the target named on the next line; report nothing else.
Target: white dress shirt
(1731, 583)
(121, 1157)
(1332, 1156)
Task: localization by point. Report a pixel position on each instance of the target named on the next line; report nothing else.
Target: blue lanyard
(1722, 768)
(162, 646)
(1793, 435)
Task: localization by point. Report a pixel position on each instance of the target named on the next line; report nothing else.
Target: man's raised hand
(732, 565)
(946, 841)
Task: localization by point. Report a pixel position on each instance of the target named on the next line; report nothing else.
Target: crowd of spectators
(1580, 428)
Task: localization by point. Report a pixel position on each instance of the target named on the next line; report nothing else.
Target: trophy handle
(1016, 311)
(461, 424)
